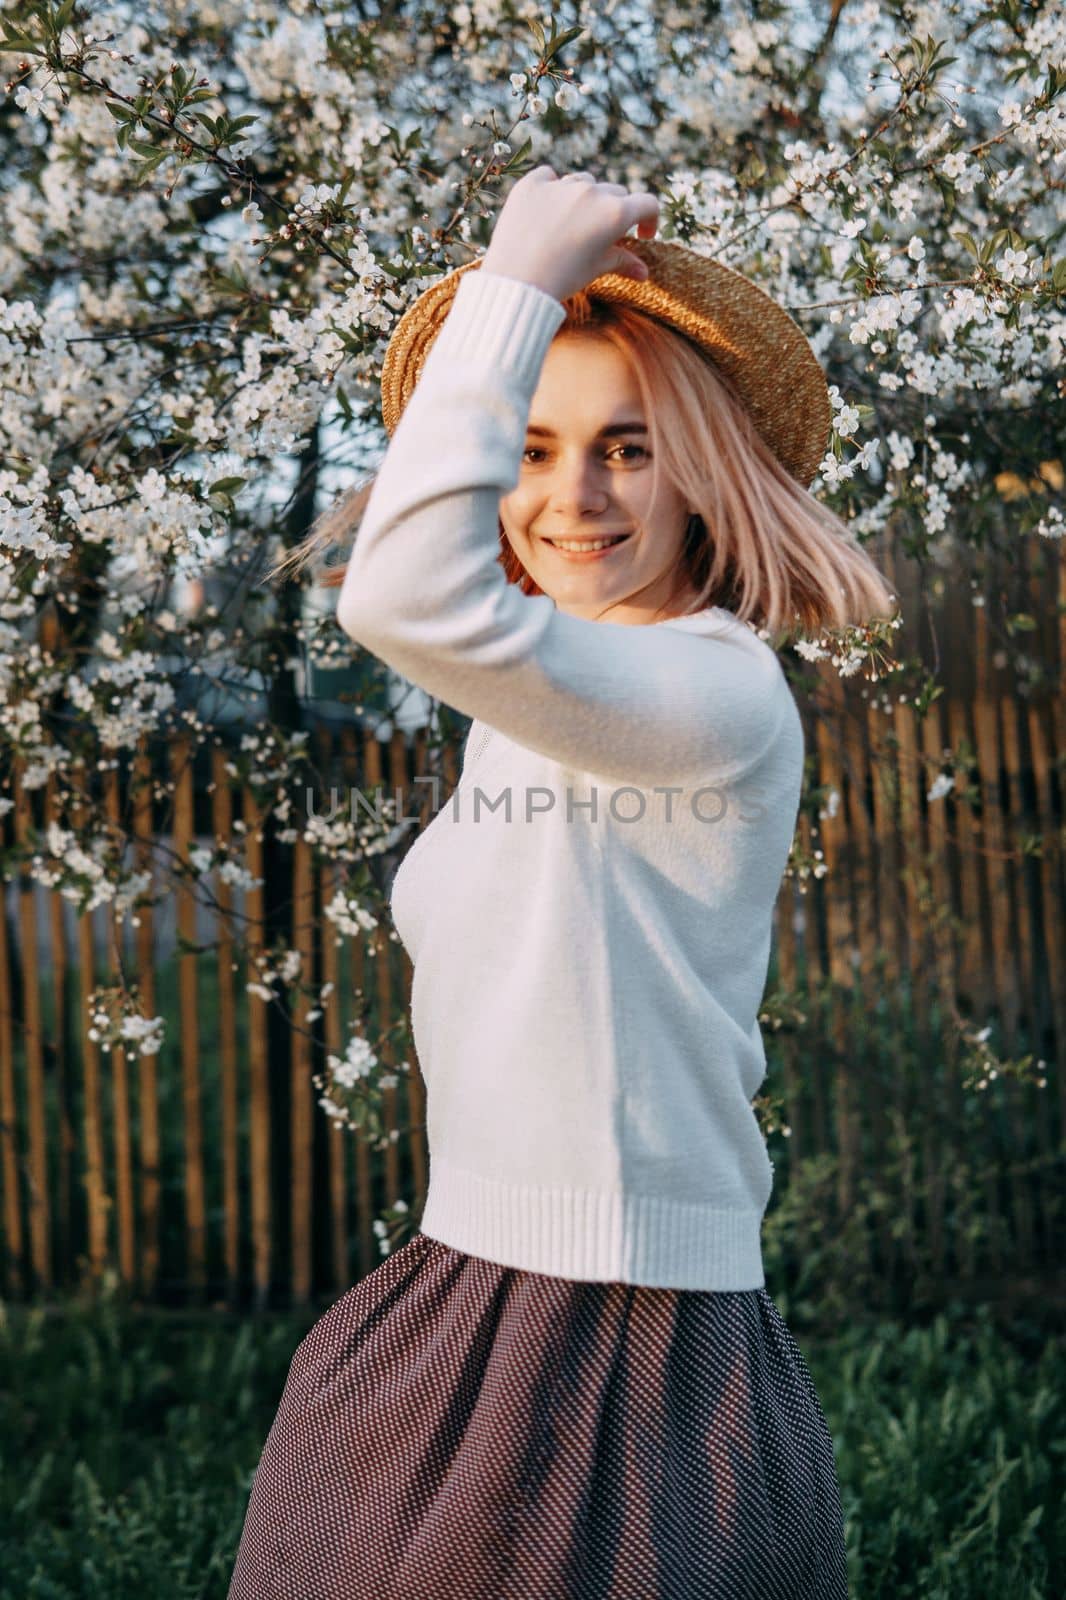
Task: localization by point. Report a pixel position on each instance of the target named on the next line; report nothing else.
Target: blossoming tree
(214, 214)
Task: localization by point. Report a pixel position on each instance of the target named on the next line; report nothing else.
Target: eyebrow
(609, 432)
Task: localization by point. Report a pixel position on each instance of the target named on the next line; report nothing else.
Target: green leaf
(947, 194)
(1058, 276)
(227, 486)
(148, 166)
(232, 280)
(516, 157)
(558, 41)
(215, 126)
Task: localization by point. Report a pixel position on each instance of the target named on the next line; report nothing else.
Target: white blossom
(222, 348)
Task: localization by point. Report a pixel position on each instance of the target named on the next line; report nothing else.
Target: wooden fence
(208, 1172)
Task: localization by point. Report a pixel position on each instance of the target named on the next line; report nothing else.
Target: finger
(628, 265)
(643, 209)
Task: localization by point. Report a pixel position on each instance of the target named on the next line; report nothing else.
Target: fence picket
(10, 1143)
(222, 826)
(258, 1055)
(142, 786)
(901, 905)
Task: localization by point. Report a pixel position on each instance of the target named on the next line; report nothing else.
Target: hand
(560, 233)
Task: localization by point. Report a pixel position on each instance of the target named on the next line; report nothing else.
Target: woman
(572, 1381)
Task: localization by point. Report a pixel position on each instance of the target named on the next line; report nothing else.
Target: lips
(590, 539)
(591, 554)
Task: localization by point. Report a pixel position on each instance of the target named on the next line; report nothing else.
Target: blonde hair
(758, 544)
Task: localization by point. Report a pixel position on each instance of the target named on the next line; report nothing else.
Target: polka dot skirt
(453, 1429)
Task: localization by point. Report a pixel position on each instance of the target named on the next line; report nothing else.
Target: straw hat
(751, 338)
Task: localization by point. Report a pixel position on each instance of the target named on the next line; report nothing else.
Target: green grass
(129, 1442)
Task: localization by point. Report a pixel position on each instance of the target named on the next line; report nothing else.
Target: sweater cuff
(498, 323)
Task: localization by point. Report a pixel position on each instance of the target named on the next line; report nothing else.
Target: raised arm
(641, 704)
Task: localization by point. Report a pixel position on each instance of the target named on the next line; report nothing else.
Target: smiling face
(584, 477)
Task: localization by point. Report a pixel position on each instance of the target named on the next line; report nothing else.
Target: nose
(578, 485)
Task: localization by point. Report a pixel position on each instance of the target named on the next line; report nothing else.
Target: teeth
(585, 544)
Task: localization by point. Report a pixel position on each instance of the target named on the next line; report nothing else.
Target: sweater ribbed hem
(594, 1236)
(498, 324)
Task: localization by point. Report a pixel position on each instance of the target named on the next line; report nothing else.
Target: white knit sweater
(588, 964)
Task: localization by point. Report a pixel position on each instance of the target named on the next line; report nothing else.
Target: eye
(535, 450)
